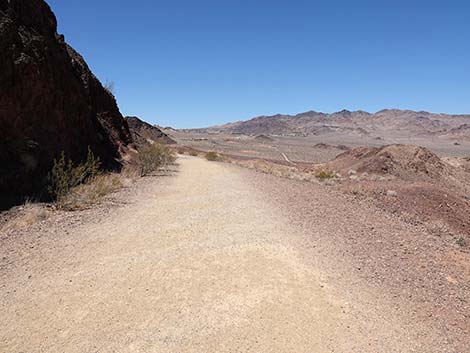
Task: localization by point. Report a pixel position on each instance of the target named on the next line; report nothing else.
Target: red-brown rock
(50, 102)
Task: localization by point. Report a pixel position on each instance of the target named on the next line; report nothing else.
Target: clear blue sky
(193, 63)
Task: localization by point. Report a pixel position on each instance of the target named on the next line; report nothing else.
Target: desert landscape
(317, 137)
(314, 232)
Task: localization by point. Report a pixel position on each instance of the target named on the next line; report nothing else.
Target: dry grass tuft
(85, 195)
(24, 217)
(155, 156)
(212, 156)
(278, 170)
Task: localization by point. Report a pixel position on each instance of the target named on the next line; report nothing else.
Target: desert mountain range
(361, 123)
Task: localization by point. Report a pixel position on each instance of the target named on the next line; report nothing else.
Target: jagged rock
(144, 132)
(50, 102)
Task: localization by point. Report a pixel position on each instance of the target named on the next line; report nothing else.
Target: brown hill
(403, 161)
(415, 183)
(463, 131)
(143, 132)
(50, 102)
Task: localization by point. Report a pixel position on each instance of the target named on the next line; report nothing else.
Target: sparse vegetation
(324, 174)
(155, 156)
(75, 187)
(193, 153)
(212, 156)
(25, 216)
(65, 175)
(181, 150)
(78, 186)
(85, 195)
(109, 87)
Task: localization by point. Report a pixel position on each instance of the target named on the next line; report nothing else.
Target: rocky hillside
(407, 162)
(144, 132)
(413, 182)
(358, 123)
(50, 102)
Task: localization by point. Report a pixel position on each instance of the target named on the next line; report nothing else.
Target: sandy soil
(204, 261)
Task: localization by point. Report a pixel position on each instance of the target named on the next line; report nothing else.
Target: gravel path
(199, 262)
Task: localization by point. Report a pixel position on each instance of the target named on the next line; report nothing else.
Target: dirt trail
(198, 263)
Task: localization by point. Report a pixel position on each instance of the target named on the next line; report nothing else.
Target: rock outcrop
(143, 132)
(50, 102)
(406, 162)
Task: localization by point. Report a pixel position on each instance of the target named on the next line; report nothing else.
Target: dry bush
(85, 195)
(109, 87)
(65, 175)
(130, 174)
(155, 156)
(212, 156)
(193, 153)
(323, 174)
(181, 151)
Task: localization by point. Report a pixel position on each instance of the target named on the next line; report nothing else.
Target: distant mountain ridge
(351, 122)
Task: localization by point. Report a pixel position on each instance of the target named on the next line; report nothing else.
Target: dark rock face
(50, 102)
(143, 132)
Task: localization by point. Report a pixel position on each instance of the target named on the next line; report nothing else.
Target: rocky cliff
(50, 102)
(143, 132)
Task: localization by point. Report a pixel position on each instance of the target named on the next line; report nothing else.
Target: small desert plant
(154, 156)
(193, 153)
(324, 174)
(85, 195)
(212, 156)
(109, 87)
(181, 151)
(65, 175)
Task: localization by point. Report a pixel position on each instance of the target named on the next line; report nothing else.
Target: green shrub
(65, 175)
(212, 156)
(325, 174)
(153, 157)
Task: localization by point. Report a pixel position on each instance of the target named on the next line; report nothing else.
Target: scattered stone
(392, 193)
(461, 242)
